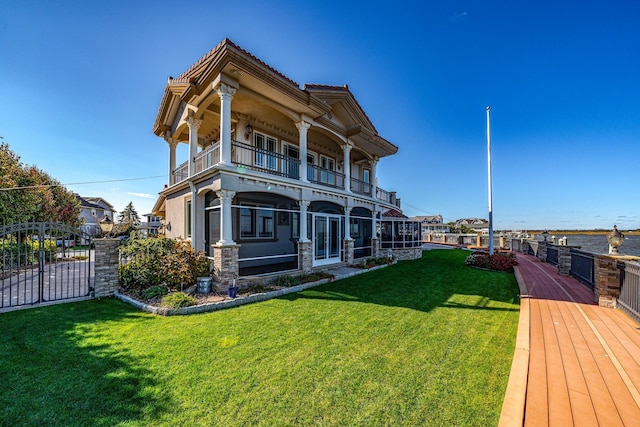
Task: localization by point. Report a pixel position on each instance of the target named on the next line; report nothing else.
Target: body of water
(598, 244)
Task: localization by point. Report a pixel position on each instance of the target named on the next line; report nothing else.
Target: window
(256, 223)
(366, 176)
(187, 216)
(327, 166)
(266, 146)
(290, 163)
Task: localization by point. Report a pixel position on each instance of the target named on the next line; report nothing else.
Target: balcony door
(327, 236)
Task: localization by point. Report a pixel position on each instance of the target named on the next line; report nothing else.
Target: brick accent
(607, 280)
(375, 247)
(348, 250)
(407, 253)
(106, 267)
(542, 251)
(564, 260)
(305, 256)
(225, 263)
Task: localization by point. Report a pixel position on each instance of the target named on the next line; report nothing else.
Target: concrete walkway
(575, 363)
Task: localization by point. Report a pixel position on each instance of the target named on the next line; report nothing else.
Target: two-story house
(92, 210)
(277, 177)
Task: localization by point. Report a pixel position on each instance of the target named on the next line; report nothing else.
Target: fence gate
(43, 262)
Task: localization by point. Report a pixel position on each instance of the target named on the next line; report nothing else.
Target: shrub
(314, 277)
(500, 261)
(154, 291)
(177, 300)
(286, 281)
(140, 260)
(162, 261)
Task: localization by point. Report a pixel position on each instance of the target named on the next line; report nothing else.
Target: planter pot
(204, 285)
(233, 291)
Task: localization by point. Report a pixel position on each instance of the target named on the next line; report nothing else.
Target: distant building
(151, 226)
(431, 224)
(92, 210)
(477, 225)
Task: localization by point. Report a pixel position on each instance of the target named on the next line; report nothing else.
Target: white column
(374, 178)
(194, 215)
(304, 204)
(194, 125)
(303, 127)
(347, 223)
(172, 157)
(226, 236)
(347, 166)
(226, 93)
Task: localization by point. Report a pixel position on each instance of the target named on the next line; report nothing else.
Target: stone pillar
(304, 204)
(542, 251)
(606, 276)
(226, 93)
(194, 125)
(225, 263)
(346, 149)
(106, 267)
(305, 256)
(524, 247)
(172, 157)
(375, 247)
(478, 240)
(348, 250)
(303, 128)
(564, 260)
(226, 222)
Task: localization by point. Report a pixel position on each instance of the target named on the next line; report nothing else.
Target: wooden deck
(576, 364)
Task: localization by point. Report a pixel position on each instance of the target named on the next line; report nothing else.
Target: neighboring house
(478, 225)
(276, 177)
(431, 225)
(151, 226)
(92, 210)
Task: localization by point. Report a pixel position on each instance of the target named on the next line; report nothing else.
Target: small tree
(128, 219)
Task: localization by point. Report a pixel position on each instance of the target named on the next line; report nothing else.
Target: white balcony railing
(253, 158)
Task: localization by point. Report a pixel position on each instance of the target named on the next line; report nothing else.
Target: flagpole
(489, 182)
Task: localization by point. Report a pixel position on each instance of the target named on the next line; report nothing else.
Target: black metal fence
(552, 255)
(43, 262)
(582, 266)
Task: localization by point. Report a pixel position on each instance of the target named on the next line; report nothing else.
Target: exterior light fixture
(106, 225)
(247, 134)
(545, 234)
(615, 239)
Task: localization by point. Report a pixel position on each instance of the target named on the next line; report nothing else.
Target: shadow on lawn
(56, 371)
(423, 285)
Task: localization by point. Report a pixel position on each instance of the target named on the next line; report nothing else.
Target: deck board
(584, 360)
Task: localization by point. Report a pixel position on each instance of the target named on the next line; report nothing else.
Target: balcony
(249, 157)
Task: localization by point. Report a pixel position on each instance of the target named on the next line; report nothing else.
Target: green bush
(177, 300)
(286, 281)
(499, 261)
(154, 291)
(140, 261)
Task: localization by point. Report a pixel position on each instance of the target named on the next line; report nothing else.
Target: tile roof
(394, 213)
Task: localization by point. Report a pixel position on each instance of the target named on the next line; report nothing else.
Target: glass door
(327, 238)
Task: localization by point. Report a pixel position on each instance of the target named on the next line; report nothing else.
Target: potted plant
(233, 288)
(202, 272)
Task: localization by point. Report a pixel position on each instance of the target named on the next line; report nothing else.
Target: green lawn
(425, 342)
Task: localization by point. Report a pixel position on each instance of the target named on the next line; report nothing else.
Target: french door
(327, 236)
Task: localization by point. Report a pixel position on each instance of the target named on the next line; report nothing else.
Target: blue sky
(81, 83)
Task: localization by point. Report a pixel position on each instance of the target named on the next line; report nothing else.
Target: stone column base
(348, 250)
(225, 263)
(305, 256)
(375, 247)
(106, 267)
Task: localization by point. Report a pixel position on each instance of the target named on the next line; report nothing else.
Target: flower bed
(499, 261)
